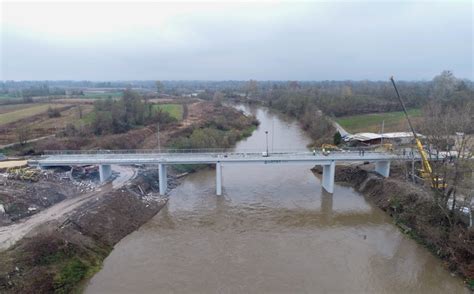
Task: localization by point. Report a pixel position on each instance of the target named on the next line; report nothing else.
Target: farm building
(374, 139)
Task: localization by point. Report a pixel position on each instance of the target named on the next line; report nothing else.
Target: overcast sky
(236, 41)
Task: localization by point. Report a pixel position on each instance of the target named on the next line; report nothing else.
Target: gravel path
(9, 235)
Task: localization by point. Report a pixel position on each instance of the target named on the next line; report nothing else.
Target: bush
(72, 273)
(53, 112)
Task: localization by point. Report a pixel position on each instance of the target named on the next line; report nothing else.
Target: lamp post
(266, 138)
(158, 137)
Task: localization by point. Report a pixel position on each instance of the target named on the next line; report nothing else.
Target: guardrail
(211, 150)
(164, 151)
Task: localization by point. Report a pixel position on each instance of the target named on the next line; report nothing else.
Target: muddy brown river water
(273, 231)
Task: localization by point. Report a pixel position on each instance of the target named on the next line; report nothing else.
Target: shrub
(53, 112)
(72, 273)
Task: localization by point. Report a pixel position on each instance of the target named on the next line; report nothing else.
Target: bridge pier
(162, 178)
(218, 179)
(105, 171)
(329, 171)
(382, 168)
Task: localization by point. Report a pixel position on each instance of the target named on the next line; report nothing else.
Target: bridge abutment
(329, 171)
(105, 171)
(162, 178)
(382, 168)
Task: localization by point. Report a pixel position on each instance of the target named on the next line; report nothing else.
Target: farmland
(393, 121)
(34, 118)
(23, 112)
(175, 110)
(97, 95)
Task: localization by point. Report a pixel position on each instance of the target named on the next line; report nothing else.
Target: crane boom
(424, 157)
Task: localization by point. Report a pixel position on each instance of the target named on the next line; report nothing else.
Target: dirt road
(58, 212)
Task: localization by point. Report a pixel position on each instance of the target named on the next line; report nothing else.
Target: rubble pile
(146, 185)
(26, 191)
(23, 174)
(86, 173)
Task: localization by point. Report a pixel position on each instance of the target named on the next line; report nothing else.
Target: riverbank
(60, 254)
(414, 211)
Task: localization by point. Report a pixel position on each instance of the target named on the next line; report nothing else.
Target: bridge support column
(382, 168)
(218, 179)
(162, 178)
(329, 171)
(105, 171)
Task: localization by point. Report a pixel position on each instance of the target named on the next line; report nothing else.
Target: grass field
(102, 95)
(7, 95)
(394, 121)
(34, 109)
(12, 107)
(175, 110)
(88, 116)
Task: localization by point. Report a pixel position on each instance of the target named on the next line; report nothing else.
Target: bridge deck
(214, 157)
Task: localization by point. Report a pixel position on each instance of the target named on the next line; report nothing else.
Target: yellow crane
(426, 171)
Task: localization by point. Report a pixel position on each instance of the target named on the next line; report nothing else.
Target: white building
(373, 138)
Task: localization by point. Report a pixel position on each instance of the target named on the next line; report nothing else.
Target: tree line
(340, 98)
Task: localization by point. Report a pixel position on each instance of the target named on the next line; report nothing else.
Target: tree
(130, 111)
(337, 138)
(23, 134)
(446, 130)
(217, 98)
(251, 88)
(185, 110)
(159, 87)
(346, 91)
(294, 85)
(444, 85)
(79, 110)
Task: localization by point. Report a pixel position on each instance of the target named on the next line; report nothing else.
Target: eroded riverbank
(64, 250)
(412, 207)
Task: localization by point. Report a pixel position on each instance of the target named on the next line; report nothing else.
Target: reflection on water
(273, 231)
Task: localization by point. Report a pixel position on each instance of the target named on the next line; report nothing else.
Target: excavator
(426, 171)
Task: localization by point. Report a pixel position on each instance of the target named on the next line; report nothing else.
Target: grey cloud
(305, 41)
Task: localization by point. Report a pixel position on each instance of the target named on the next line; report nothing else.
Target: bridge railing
(168, 151)
(222, 151)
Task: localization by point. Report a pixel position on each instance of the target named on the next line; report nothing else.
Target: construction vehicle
(426, 171)
(385, 147)
(330, 147)
(327, 148)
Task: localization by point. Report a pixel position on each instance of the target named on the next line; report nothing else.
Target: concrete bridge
(105, 158)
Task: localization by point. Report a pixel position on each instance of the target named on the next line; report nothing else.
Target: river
(272, 231)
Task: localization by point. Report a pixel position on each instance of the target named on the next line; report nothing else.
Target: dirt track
(9, 235)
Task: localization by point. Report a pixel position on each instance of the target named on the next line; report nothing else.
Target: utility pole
(383, 125)
(266, 137)
(273, 131)
(158, 136)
